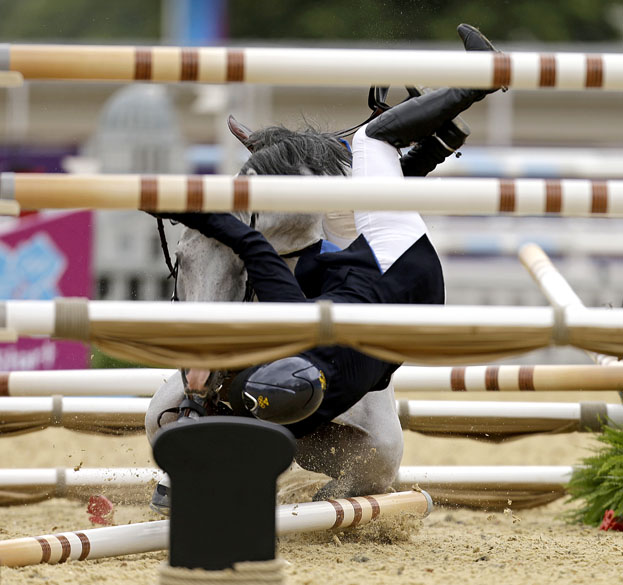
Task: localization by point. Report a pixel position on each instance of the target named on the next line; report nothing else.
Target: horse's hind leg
(363, 455)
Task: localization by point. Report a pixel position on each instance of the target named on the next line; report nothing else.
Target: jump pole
(243, 334)
(494, 378)
(437, 196)
(97, 543)
(67, 482)
(108, 415)
(556, 289)
(316, 67)
(499, 421)
(485, 476)
(489, 378)
(491, 420)
(92, 382)
(23, 486)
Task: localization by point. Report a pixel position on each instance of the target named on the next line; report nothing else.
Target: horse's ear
(240, 131)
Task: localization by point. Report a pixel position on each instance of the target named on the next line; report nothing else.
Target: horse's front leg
(362, 454)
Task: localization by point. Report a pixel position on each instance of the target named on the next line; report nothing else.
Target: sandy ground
(474, 547)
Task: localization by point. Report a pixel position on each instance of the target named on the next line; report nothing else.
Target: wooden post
(219, 516)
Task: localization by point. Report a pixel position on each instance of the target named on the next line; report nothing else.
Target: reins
(173, 268)
(376, 102)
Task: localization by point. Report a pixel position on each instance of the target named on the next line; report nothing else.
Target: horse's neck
(290, 232)
(209, 271)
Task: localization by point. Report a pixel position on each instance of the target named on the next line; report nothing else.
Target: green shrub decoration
(599, 481)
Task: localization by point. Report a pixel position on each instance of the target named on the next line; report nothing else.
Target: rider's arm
(268, 273)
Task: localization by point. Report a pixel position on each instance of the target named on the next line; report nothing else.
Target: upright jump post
(218, 516)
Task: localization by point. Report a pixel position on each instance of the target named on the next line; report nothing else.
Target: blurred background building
(179, 128)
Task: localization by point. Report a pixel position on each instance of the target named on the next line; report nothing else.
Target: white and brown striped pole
(113, 541)
(95, 543)
(493, 378)
(438, 196)
(328, 67)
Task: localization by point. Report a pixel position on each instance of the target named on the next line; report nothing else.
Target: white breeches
(389, 233)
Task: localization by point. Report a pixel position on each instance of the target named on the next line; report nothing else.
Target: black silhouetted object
(223, 474)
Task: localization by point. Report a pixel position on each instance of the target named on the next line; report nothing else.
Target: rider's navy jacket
(348, 276)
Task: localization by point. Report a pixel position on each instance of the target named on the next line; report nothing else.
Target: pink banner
(45, 256)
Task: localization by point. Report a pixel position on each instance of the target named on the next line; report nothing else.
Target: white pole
(556, 289)
(488, 476)
(63, 478)
(112, 541)
(245, 333)
(463, 417)
(115, 415)
(104, 382)
(60, 406)
(127, 415)
(37, 317)
(16, 479)
(552, 284)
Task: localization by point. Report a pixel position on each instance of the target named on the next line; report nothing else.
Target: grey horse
(362, 448)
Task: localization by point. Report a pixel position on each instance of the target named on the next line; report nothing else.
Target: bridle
(174, 267)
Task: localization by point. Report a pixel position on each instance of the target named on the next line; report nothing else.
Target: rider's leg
(389, 233)
(425, 115)
(450, 136)
(422, 116)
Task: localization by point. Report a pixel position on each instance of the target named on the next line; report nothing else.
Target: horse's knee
(169, 395)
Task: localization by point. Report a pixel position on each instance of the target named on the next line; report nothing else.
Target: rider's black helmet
(284, 391)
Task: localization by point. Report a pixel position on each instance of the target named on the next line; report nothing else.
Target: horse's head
(276, 150)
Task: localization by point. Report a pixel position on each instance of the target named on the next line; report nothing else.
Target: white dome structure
(138, 132)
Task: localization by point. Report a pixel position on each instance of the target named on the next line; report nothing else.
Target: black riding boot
(422, 116)
(448, 138)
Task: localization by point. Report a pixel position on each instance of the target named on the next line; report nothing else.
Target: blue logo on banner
(32, 270)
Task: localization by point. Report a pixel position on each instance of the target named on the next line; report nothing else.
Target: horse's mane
(280, 151)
